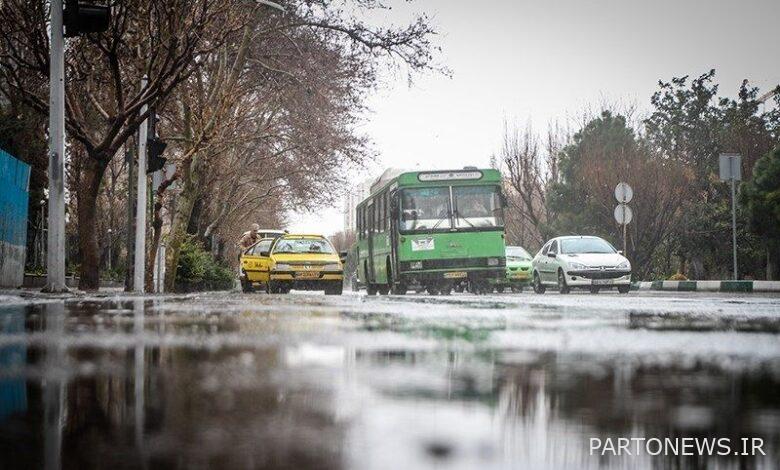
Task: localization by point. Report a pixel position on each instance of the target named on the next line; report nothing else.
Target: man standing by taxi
(249, 238)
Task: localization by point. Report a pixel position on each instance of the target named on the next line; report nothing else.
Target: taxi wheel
(246, 287)
(433, 290)
(447, 290)
(335, 289)
(594, 290)
(624, 289)
(500, 289)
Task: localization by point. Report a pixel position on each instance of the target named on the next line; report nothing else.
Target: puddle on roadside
(300, 402)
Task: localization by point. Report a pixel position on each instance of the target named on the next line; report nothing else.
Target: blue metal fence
(14, 196)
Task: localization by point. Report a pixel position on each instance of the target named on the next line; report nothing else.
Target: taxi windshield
(303, 245)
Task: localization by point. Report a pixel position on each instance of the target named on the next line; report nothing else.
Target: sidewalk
(709, 286)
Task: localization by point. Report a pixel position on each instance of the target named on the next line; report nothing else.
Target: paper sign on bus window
(423, 244)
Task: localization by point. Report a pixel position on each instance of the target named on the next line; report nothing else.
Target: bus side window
(385, 225)
(360, 222)
(381, 219)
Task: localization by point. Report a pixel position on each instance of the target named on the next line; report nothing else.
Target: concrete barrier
(709, 286)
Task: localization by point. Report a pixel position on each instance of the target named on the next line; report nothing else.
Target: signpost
(623, 214)
(731, 170)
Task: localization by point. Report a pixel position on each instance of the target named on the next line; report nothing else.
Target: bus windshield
(471, 207)
(477, 206)
(425, 208)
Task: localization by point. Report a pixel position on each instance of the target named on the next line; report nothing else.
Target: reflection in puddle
(103, 384)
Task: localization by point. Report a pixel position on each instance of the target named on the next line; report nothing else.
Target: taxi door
(256, 262)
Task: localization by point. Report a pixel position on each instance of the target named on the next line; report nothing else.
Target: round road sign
(623, 214)
(624, 193)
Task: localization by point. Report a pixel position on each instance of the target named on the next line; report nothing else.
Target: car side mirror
(551, 255)
(620, 252)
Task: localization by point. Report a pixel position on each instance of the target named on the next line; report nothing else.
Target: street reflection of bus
(432, 230)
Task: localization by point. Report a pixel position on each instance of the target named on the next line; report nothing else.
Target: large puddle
(355, 383)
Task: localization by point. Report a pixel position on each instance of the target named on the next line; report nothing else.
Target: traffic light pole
(140, 210)
(55, 243)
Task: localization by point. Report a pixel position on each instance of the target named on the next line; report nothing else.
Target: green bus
(432, 230)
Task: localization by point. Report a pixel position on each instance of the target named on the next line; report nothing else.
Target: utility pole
(55, 242)
(140, 210)
(130, 222)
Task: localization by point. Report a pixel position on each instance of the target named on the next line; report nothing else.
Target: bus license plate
(455, 275)
(307, 274)
(602, 282)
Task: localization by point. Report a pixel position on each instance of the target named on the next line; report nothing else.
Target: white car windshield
(585, 245)
(516, 253)
(302, 245)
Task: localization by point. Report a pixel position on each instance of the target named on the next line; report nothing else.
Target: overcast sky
(545, 60)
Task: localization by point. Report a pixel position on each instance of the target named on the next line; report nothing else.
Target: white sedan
(580, 262)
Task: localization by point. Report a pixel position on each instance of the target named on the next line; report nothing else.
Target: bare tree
(531, 166)
(159, 39)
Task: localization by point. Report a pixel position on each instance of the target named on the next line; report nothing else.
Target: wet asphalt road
(229, 380)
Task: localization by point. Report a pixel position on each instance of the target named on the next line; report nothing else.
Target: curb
(709, 286)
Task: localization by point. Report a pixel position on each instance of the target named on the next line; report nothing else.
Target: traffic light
(154, 149)
(82, 18)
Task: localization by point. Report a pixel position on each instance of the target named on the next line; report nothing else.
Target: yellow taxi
(305, 262)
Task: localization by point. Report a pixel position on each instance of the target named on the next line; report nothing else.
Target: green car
(518, 270)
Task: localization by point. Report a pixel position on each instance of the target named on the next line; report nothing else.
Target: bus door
(370, 276)
(393, 210)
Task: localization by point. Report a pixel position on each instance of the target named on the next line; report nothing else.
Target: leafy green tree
(692, 125)
(761, 198)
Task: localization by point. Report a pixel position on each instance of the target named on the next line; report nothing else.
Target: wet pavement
(230, 380)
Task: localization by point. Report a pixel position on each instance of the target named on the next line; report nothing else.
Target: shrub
(198, 270)
(678, 277)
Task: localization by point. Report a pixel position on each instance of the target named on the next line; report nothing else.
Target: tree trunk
(185, 202)
(87, 193)
(772, 258)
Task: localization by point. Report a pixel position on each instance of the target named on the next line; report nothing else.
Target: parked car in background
(518, 270)
(580, 262)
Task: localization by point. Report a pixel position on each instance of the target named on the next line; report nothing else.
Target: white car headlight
(577, 266)
(415, 265)
(282, 267)
(332, 267)
(624, 265)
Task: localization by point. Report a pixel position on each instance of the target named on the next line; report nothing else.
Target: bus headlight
(415, 265)
(493, 261)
